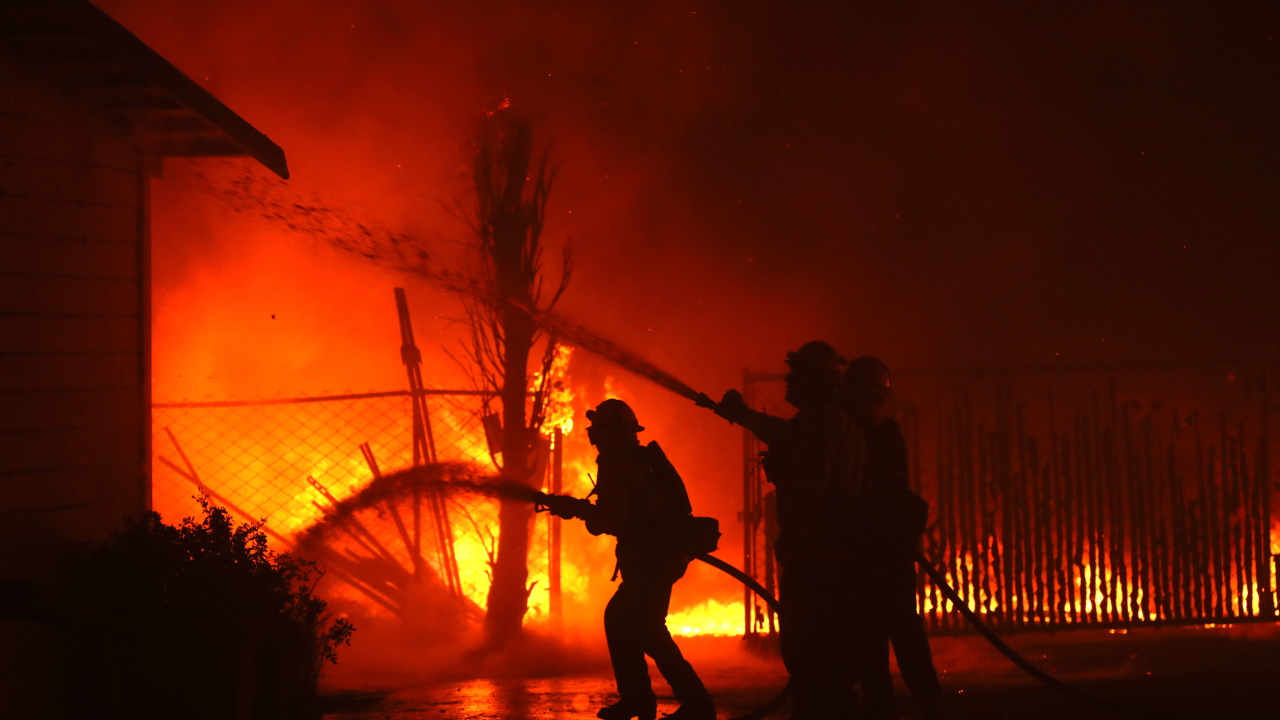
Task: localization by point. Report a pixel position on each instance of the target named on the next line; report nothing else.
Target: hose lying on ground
(950, 594)
(1022, 663)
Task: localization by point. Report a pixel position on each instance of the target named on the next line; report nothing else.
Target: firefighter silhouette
(813, 461)
(890, 519)
(640, 499)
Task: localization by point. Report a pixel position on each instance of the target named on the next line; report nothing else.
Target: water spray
(464, 478)
(304, 212)
(578, 335)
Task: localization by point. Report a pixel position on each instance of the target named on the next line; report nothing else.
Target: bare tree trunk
(509, 595)
(511, 197)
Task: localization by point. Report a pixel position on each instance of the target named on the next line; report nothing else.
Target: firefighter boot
(627, 709)
(701, 709)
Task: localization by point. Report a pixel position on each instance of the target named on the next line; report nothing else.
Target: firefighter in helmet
(640, 499)
(812, 461)
(889, 522)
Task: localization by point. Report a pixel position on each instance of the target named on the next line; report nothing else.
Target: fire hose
(1022, 663)
(959, 603)
(773, 604)
(570, 507)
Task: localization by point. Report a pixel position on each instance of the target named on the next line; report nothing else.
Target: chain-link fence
(1086, 496)
(290, 461)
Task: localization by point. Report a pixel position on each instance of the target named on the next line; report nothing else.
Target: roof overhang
(94, 58)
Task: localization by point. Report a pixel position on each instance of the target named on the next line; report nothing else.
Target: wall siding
(73, 328)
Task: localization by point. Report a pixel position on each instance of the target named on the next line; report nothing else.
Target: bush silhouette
(197, 620)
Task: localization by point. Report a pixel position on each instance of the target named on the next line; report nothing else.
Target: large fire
(710, 618)
(1094, 590)
(294, 479)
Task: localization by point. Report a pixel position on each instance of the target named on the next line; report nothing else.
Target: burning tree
(511, 195)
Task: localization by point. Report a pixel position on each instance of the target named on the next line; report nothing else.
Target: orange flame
(711, 618)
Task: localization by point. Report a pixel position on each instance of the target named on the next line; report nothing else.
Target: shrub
(198, 620)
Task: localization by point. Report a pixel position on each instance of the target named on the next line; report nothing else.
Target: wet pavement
(1190, 673)
(492, 699)
(741, 681)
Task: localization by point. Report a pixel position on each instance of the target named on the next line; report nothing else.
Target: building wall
(74, 378)
(74, 385)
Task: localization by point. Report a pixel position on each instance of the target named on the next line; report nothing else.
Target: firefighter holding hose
(813, 460)
(641, 500)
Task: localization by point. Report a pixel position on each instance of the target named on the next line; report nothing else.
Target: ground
(1181, 672)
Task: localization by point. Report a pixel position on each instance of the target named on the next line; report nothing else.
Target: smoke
(246, 191)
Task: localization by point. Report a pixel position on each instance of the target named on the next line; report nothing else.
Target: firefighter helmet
(869, 374)
(614, 413)
(816, 357)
